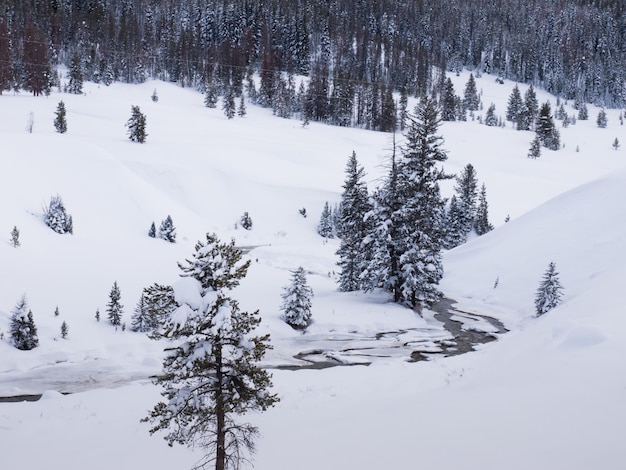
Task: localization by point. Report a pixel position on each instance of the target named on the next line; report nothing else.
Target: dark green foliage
(461, 218)
(114, 308)
(60, 121)
(448, 102)
(583, 112)
(481, 222)
(75, 85)
(97, 316)
(602, 120)
(491, 119)
(241, 109)
(471, 101)
(326, 226)
(296, 306)
(515, 106)
(137, 125)
(210, 96)
(153, 309)
(228, 104)
(152, 231)
(15, 237)
(546, 130)
(167, 231)
(22, 327)
(535, 148)
(549, 292)
(64, 330)
(528, 115)
(56, 217)
(455, 229)
(211, 373)
(246, 221)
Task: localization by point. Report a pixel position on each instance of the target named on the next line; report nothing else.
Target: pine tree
(491, 119)
(326, 227)
(455, 231)
(114, 308)
(352, 226)
(448, 102)
(471, 101)
(466, 190)
(140, 321)
(158, 305)
(154, 97)
(535, 148)
(211, 373)
(481, 224)
(60, 121)
(228, 104)
(97, 316)
(296, 305)
(547, 132)
(410, 217)
(56, 217)
(616, 145)
(549, 292)
(529, 113)
(15, 237)
(241, 109)
(246, 221)
(22, 327)
(56, 311)
(167, 231)
(210, 96)
(602, 120)
(75, 85)
(64, 330)
(515, 106)
(137, 125)
(583, 112)
(152, 231)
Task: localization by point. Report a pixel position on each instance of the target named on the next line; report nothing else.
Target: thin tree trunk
(220, 458)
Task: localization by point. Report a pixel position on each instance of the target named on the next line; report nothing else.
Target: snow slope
(549, 394)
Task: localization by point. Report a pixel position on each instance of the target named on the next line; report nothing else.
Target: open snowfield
(550, 394)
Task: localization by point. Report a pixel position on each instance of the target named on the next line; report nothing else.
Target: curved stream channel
(450, 332)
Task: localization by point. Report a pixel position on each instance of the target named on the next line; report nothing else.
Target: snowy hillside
(548, 394)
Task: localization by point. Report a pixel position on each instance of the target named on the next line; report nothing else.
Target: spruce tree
(75, 85)
(246, 221)
(471, 101)
(152, 231)
(56, 311)
(56, 217)
(15, 237)
(137, 125)
(455, 227)
(158, 305)
(154, 97)
(352, 226)
(60, 121)
(210, 96)
(466, 190)
(22, 327)
(616, 145)
(515, 106)
(481, 223)
(228, 104)
(97, 315)
(140, 321)
(491, 119)
(549, 292)
(448, 102)
(602, 119)
(64, 330)
(296, 305)
(241, 109)
(326, 227)
(583, 112)
(114, 308)
(167, 231)
(535, 148)
(211, 373)
(529, 113)
(546, 130)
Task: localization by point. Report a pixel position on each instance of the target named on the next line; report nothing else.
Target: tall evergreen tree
(22, 327)
(481, 223)
(60, 121)
(491, 119)
(211, 374)
(515, 106)
(114, 308)
(455, 231)
(466, 190)
(535, 148)
(471, 101)
(326, 227)
(15, 237)
(137, 125)
(529, 113)
(56, 217)
(546, 130)
(583, 112)
(352, 226)
(152, 231)
(549, 292)
(602, 120)
(228, 104)
(210, 96)
(75, 85)
(448, 102)
(296, 305)
(64, 330)
(167, 231)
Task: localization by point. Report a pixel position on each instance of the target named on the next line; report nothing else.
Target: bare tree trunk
(220, 458)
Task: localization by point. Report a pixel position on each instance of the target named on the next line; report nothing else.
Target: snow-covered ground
(551, 393)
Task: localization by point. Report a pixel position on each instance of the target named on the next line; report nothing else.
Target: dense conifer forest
(356, 53)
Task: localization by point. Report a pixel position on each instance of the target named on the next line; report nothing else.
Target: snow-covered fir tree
(56, 311)
(409, 215)
(535, 148)
(241, 109)
(296, 305)
(352, 226)
(515, 106)
(211, 374)
(114, 308)
(602, 120)
(65, 329)
(228, 104)
(167, 231)
(549, 292)
(154, 96)
(140, 321)
(210, 96)
(616, 144)
(455, 225)
(152, 231)
(97, 315)
(22, 327)
(481, 222)
(60, 120)
(75, 85)
(583, 112)
(448, 102)
(326, 227)
(546, 129)
(137, 125)
(246, 221)
(530, 110)
(466, 191)
(158, 304)
(491, 119)
(471, 101)
(56, 217)
(15, 237)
